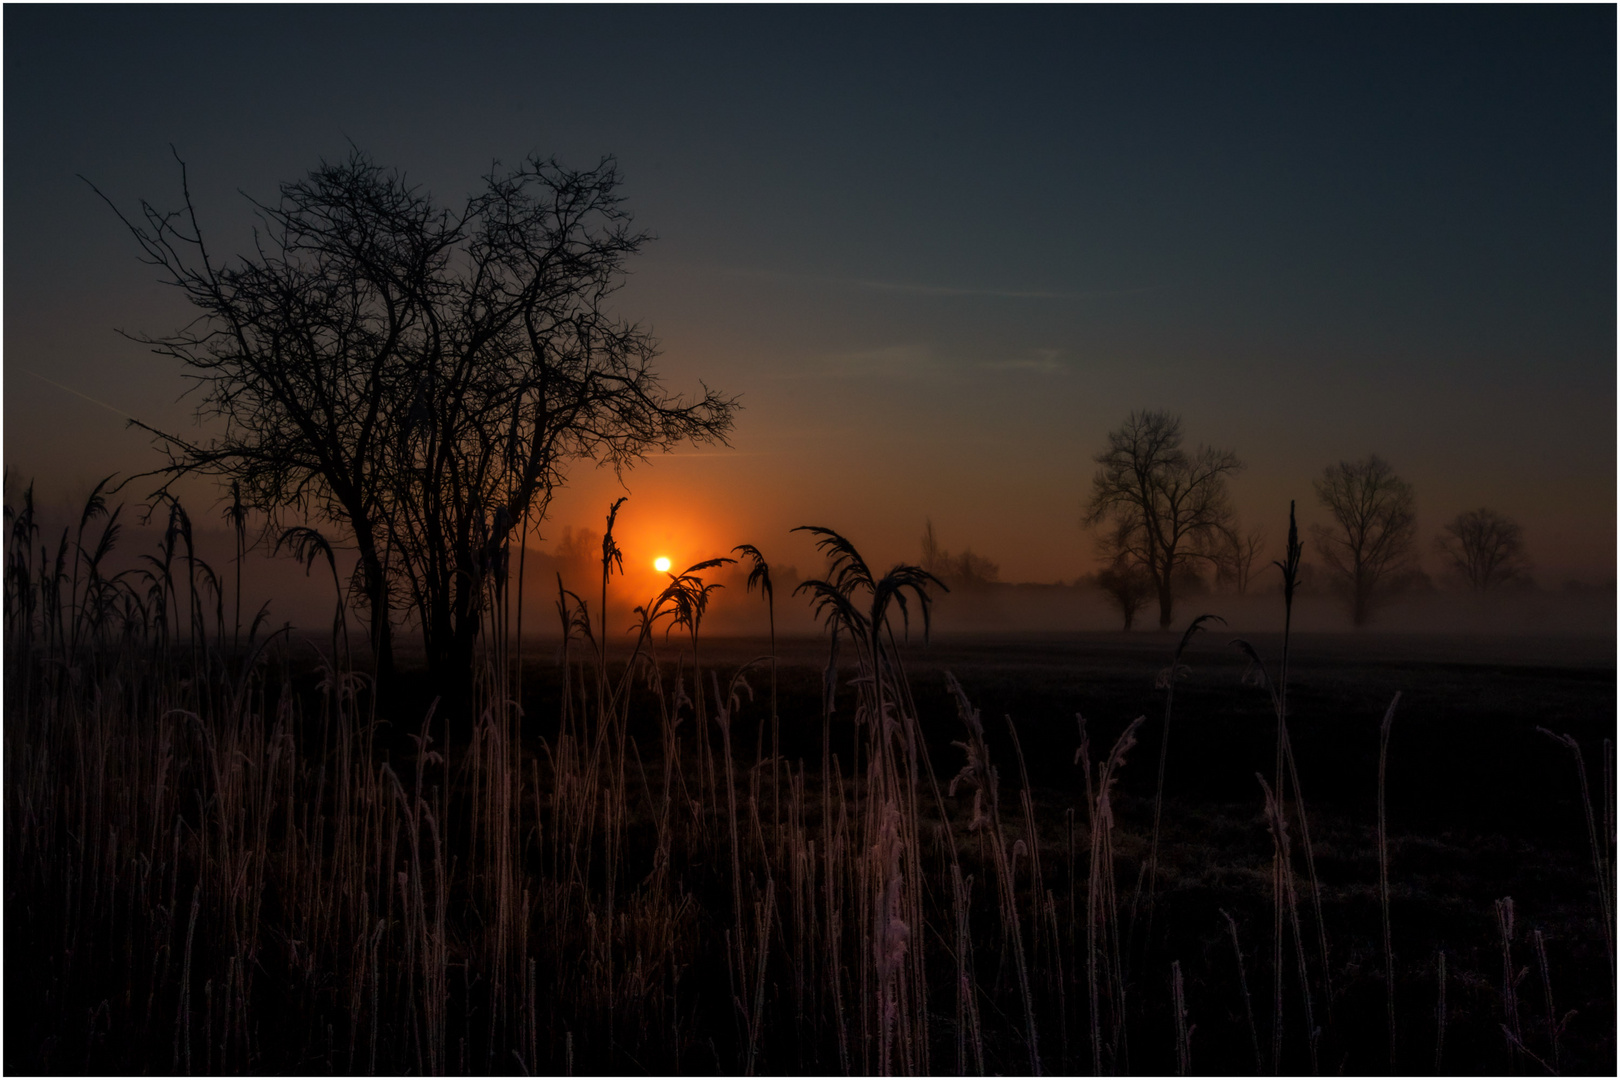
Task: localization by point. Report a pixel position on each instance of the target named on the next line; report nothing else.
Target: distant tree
(966, 570)
(418, 377)
(1369, 546)
(1484, 548)
(1127, 585)
(1164, 505)
(1122, 577)
(1189, 579)
(1234, 564)
(577, 556)
(971, 569)
(934, 557)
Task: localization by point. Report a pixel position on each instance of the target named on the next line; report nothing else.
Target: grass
(1383, 873)
(228, 851)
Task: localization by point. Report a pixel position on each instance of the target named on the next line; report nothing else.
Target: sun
(661, 564)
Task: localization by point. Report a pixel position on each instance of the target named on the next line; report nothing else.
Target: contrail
(76, 393)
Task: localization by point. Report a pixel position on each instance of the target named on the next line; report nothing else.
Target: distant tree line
(1162, 516)
(961, 571)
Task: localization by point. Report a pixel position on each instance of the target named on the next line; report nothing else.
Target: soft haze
(939, 252)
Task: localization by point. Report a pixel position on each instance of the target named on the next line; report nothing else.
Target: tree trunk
(375, 584)
(450, 635)
(1166, 600)
(382, 631)
(454, 677)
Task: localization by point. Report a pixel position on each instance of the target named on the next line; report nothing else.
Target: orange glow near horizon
(667, 519)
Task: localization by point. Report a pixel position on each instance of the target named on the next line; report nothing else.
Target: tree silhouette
(1122, 577)
(1236, 559)
(967, 570)
(419, 377)
(1370, 543)
(1484, 548)
(1165, 505)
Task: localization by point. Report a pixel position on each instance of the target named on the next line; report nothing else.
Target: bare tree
(964, 571)
(1236, 559)
(1484, 548)
(934, 557)
(420, 378)
(1165, 505)
(1122, 576)
(1369, 545)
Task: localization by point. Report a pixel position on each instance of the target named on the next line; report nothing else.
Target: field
(232, 859)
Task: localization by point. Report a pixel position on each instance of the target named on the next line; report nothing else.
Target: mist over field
(304, 598)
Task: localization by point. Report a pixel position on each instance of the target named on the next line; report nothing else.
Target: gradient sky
(938, 251)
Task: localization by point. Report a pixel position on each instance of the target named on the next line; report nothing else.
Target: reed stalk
(1283, 883)
(1243, 984)
(1440, 1011)
(1510, 980)
(1601, 866)
(1554, 1027)
(1178, 1005)
(1167, 682)
(1383, 877)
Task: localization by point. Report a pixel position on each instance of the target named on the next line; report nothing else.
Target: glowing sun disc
(661, 564)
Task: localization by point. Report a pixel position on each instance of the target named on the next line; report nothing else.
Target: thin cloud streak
(892, 361)
(717, 453)
(1043, 361)
(916, 289)
(918, 360)
(912, 288)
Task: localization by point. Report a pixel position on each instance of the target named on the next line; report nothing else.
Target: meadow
(231, 850)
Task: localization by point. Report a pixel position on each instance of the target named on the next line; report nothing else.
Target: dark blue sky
(940, 251)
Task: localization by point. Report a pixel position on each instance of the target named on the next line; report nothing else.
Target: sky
(938, 252)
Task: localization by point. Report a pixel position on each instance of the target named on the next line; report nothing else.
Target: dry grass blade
(1283, 884)
(1243, 984)
(1510, 979)
(1555, 1028)
(1167, 680)
(1440, 1010)
(1102, 904)
(1600, 846)
(1383, 876)
(1183, 1032)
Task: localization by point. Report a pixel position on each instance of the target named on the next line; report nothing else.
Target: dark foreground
(279, 868)
(1480, 806)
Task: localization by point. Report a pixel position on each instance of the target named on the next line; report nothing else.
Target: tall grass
(1167, 681)
(1105, 975)
(230, 851)
(1183, 1032)
(1283, 889)
(1383, 876)
(1601, 846)
(1440, 1014)
(1243, 985)
(1510, 980)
